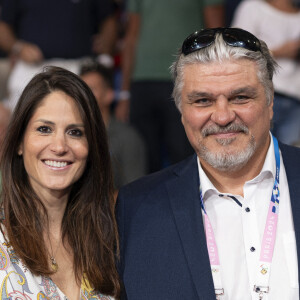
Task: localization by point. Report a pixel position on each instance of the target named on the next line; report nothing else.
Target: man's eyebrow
(248, 90)
(196, 94)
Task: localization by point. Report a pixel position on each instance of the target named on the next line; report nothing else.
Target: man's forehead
(229, 75)
(250, 91)
(222, 67)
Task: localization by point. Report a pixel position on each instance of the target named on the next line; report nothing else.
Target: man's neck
(233, 181)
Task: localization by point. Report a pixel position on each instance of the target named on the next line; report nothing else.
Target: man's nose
(223, 113)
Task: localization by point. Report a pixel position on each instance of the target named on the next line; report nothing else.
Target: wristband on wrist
(105, 60)
(123, 95)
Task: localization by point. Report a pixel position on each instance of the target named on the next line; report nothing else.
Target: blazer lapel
(184, 198)
(291, 160)
(185, 203)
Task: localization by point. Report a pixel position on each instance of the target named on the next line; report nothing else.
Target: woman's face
(54, 146)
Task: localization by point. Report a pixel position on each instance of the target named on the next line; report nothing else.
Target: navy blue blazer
(162, 240)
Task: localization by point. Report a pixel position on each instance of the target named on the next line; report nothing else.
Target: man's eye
(202, 102)
(44, 129)
(75, 132)
(240, 98)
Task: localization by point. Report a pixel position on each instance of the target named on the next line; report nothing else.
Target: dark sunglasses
(234, 37)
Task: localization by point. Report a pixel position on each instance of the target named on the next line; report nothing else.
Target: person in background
(126, 146)
(53, 32)
(154, 30)
(4, 120)
(5, 67)
(224, 223)
(230, 7)
(58, 237)
(278, 23)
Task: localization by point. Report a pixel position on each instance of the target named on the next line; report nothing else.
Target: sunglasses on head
(234, 37)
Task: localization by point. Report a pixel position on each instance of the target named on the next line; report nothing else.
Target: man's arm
(128, 54)
(290, 49)
(19, 49)
(7, 37)
(214, 16)
(105, 40)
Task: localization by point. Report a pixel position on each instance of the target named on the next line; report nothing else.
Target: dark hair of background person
(88, 224)
(105, 72)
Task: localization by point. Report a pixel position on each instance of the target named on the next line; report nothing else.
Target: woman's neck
(55, 203)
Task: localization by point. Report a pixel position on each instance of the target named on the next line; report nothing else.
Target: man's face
(225, 113)
(102, 93)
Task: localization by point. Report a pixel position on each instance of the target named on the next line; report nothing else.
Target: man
(126, 146)
(207, 227)
(54, 32)
(155, 29)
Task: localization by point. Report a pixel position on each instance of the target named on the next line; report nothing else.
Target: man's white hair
(219, 51)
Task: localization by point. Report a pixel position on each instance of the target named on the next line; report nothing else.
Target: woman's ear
(20, 150)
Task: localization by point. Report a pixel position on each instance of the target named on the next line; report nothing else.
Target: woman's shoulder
(15, 276)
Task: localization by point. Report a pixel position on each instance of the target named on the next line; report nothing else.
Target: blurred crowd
(123, 50)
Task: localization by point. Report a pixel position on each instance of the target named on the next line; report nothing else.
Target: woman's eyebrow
(52, 123)
(44, 121)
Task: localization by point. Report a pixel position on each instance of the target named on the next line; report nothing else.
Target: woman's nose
(59, 144)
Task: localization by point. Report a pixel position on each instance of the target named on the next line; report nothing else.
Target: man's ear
(271, 112)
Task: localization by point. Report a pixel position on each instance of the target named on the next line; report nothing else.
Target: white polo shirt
(239, 226)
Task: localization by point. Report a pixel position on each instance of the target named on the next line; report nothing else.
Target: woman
(59, 234)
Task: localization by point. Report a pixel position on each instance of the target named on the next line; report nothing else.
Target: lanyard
(268, 241)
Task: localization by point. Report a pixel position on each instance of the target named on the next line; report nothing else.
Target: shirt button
(247, 209)
(252, 249)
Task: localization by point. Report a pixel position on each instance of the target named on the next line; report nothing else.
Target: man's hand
(27, 52)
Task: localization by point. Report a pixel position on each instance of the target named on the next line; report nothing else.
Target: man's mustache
(232, 127)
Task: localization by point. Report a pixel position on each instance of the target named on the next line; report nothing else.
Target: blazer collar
(185, 202)
(291, 160)
(184, 198)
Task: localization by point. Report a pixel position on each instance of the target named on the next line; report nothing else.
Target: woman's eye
(44, 129)
(75, 132)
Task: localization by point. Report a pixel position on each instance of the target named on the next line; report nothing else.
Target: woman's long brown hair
(88, 224)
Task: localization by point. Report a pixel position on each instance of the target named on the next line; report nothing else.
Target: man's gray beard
(227, 161)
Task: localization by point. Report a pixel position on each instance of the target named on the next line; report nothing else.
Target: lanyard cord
(268, 241)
